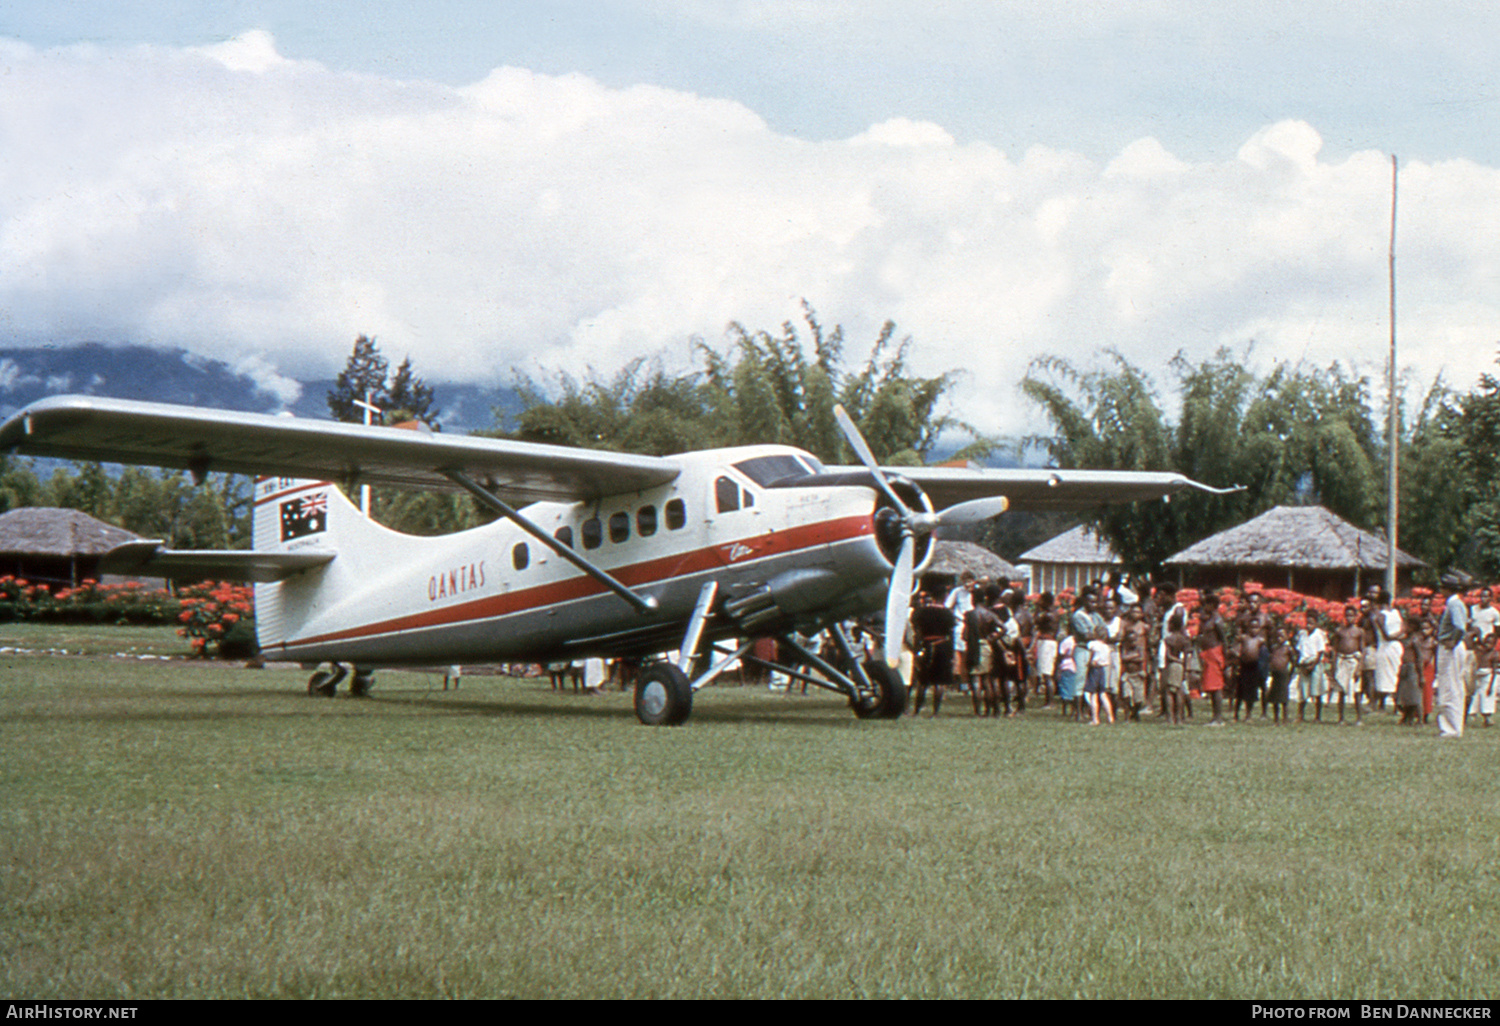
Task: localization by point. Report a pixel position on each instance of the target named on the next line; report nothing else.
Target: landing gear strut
(874, 690)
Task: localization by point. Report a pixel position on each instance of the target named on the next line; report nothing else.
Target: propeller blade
(898, 602)
(852, 435)
(972, 512)
(857, 443)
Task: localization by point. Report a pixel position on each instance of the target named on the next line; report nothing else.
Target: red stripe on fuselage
(779, 543)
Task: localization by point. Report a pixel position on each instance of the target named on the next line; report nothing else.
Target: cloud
(265, 211)
(253, 51)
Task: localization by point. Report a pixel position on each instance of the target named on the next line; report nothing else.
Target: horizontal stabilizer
(153, 559)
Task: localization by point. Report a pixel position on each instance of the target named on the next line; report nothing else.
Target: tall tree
(1436, 491)
(19, 485)
(363, 379)
(410, 398)
(1472, 426)
(366, 377)
(398, 398)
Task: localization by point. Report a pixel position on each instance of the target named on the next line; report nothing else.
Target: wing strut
(642, 603)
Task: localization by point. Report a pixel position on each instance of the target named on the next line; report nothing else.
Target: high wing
(1036, 489)
(203, 441)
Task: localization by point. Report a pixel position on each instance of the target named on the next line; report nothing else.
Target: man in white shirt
(960, 600)
(1485, 617)
(1451, 654)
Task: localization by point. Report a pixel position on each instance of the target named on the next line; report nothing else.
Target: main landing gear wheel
(663, 695)
(325, 682)
(361, 683)
(889, 700)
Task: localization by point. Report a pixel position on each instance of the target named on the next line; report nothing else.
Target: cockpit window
(726, 495)
(767, 470)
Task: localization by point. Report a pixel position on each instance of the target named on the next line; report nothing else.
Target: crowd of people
(1114, 653)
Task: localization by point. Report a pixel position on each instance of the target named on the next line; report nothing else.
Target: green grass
(98, 639)
(177, 830)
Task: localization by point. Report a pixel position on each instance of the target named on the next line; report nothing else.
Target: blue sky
(563, 185)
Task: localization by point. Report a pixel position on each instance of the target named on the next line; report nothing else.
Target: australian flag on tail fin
(304, 516)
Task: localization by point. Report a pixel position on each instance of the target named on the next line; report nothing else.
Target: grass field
(176, 830)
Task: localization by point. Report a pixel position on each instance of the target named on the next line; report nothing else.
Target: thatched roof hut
(55, 546)
(1303, 548)
(951, 558)
(1071, 560)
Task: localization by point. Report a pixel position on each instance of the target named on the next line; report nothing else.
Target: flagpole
(1393, 430)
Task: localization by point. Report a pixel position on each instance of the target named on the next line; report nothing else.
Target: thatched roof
(954, 557)
(44, 531)
(1293, 536)
(1080, 545)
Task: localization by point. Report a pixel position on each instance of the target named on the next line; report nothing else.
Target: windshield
(768, 470)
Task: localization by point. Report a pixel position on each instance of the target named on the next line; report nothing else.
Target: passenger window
(593, 533)
(645, 521)
(676, 514)
(726, 495)
(564, 535)
(619, 527)
(749, 498)
(520, 556)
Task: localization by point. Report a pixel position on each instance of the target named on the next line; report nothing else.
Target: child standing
(1485, 683)
(1177, 646)
(1409, 677)
(1096, 687)
(1280, 660)
(1067, 674)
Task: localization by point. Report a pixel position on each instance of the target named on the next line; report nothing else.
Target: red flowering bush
(220, 616)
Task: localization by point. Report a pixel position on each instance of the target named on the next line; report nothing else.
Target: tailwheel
(663, 695)
(324, 683)
(888, 699)
(361, 683)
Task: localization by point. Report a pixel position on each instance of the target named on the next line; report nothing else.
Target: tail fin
(364, 561)
(293, 515)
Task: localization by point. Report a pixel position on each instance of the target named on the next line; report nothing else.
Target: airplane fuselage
(497, 594)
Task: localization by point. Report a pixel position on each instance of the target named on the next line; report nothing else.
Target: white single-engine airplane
(611, 554)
